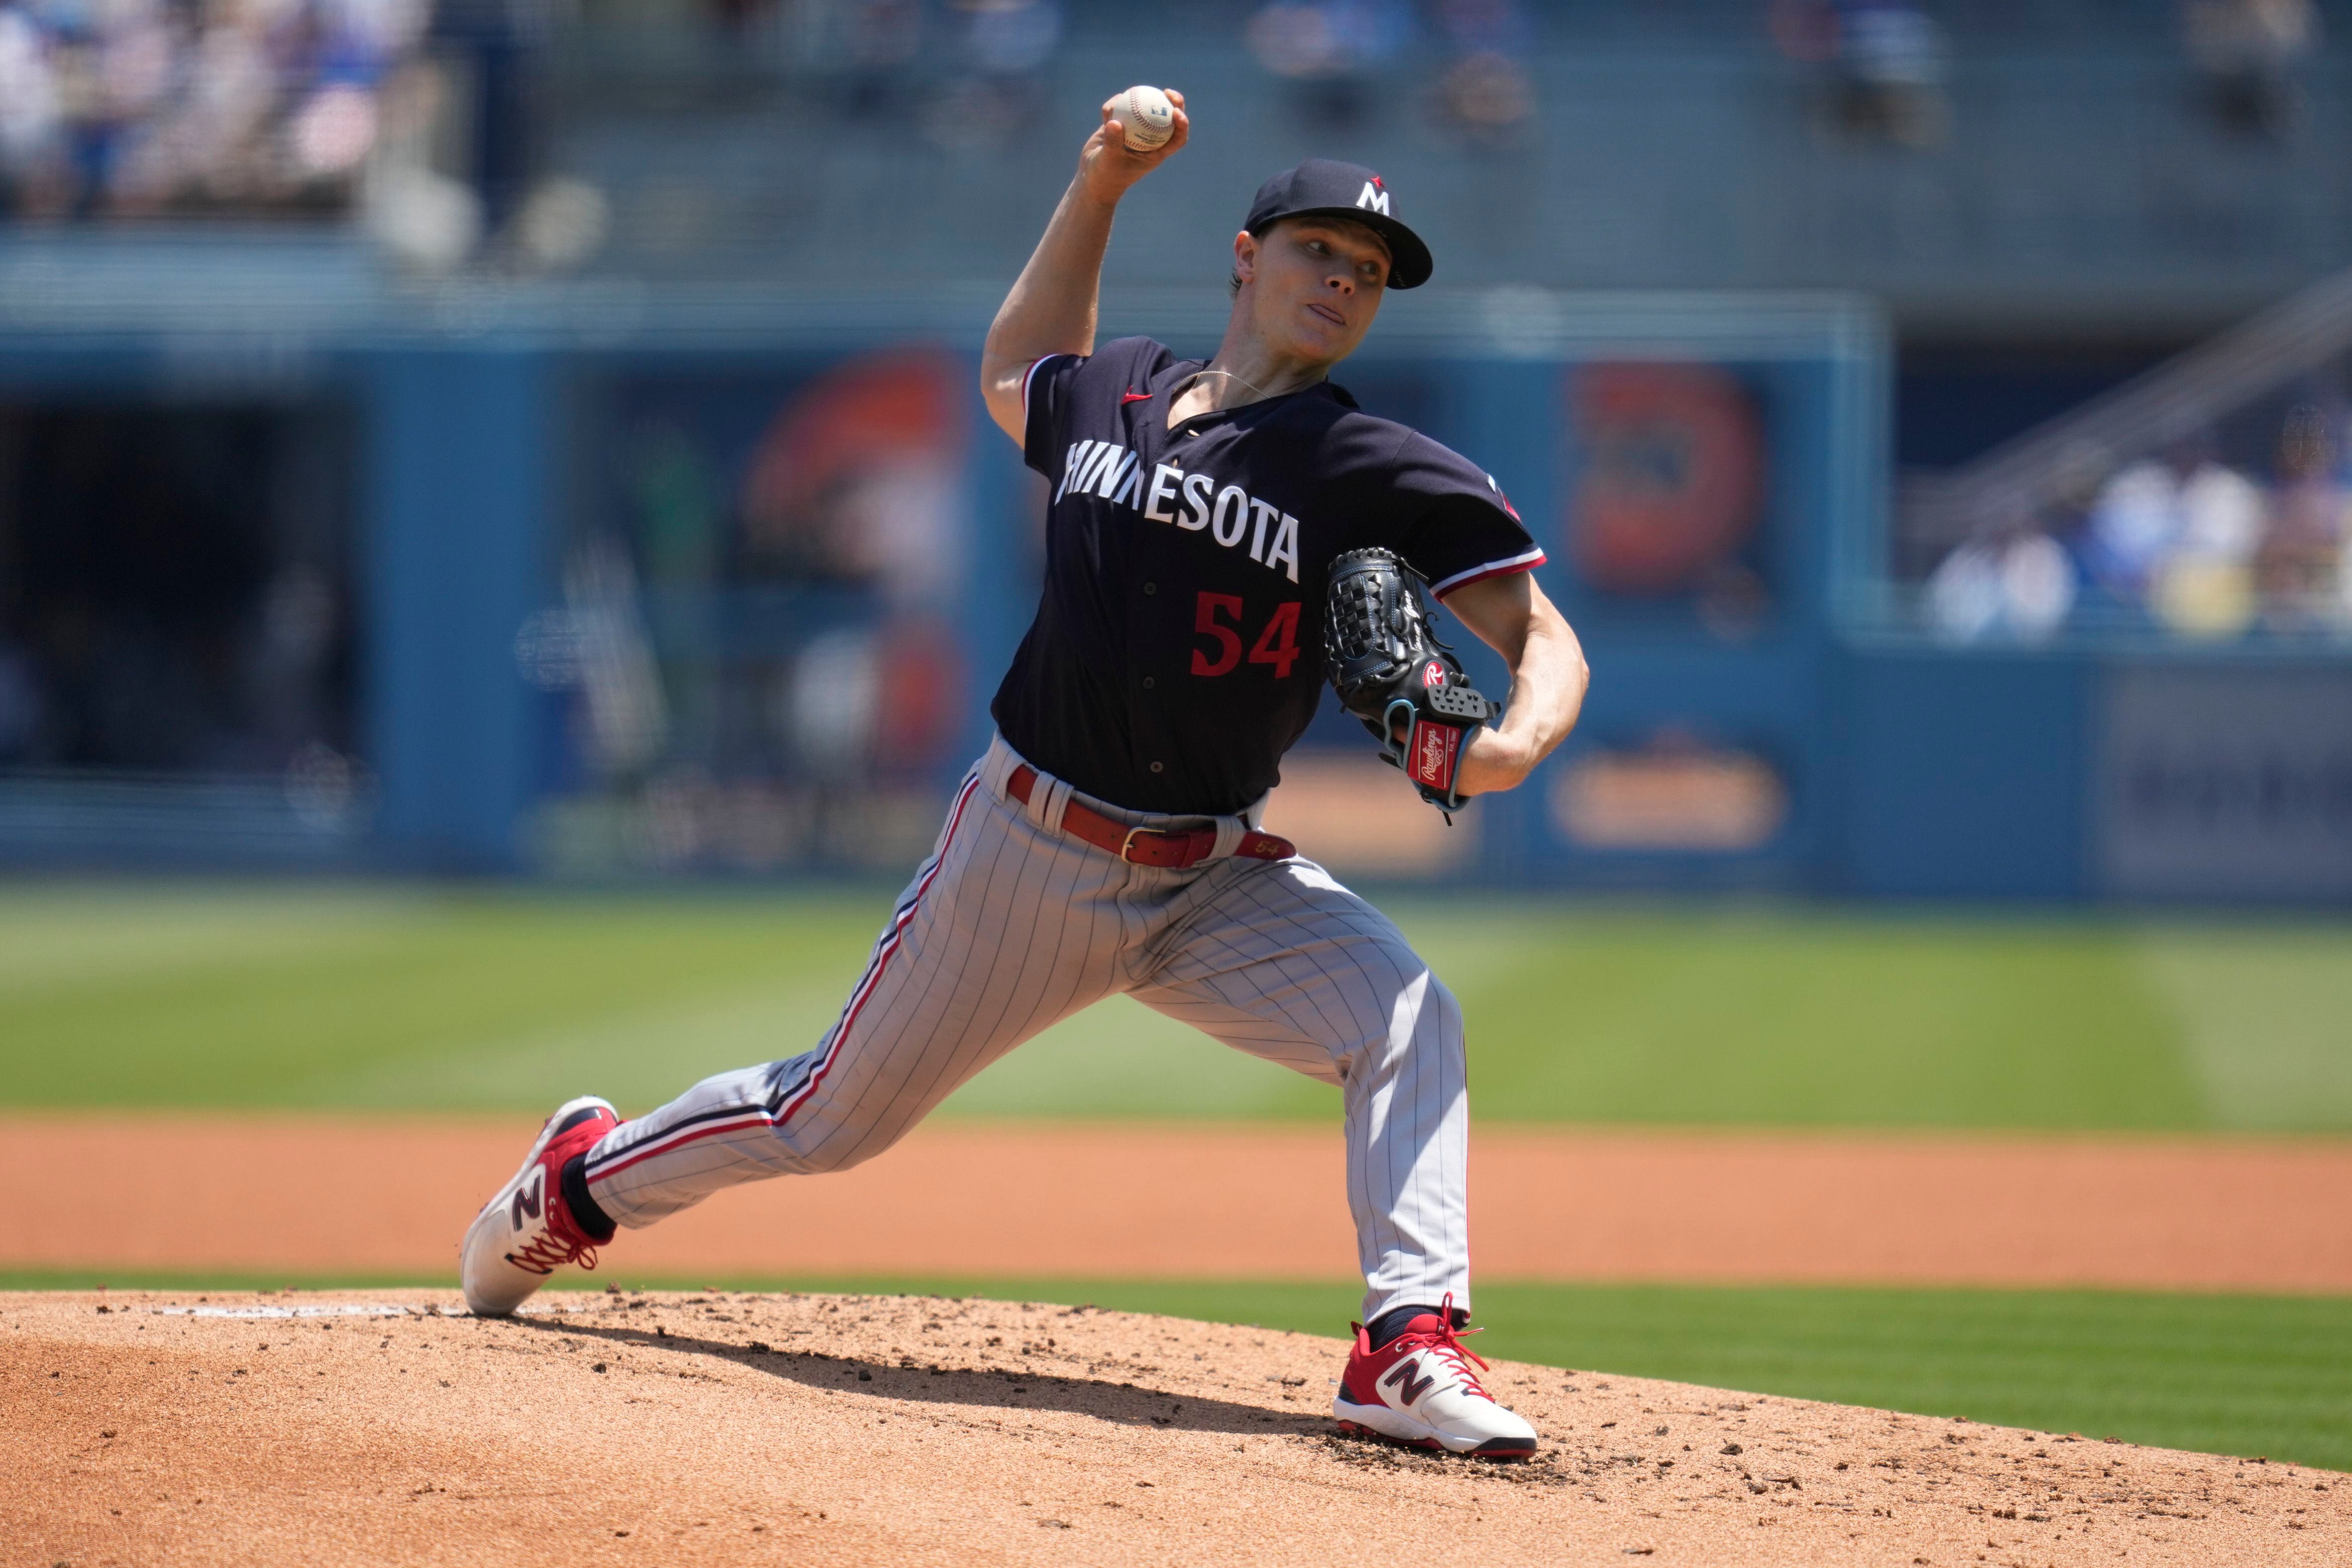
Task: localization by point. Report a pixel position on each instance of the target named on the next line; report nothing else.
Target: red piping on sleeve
(1528, 563)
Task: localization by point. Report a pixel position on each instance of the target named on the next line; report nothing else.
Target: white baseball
(1145, 116)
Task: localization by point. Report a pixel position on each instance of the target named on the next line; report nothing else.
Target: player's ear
(1244, 259)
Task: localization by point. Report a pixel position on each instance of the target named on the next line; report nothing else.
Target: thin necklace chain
(1197, 374)
(1231, 376)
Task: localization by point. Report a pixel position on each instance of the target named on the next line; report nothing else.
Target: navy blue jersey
(1178, 648)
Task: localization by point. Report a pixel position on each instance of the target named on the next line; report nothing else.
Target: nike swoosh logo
(1128, 397)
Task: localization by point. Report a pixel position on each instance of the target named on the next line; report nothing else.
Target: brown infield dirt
(733, 1428)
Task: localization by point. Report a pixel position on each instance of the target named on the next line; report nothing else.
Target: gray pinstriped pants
(1011, 926)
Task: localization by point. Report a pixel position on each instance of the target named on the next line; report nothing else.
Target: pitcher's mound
(817, 1430)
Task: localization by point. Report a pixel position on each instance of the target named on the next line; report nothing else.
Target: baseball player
(1107, 841)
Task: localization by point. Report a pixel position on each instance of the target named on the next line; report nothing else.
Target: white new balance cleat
(1420, 1389)
(527, 1232)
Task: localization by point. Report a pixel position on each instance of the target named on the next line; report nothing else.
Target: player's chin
(1317, 336)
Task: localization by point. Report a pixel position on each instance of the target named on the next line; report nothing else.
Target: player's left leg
(1281, 961)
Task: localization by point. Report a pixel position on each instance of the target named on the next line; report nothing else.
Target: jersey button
(1157, 766)
(1151, 587)
(1149, 683)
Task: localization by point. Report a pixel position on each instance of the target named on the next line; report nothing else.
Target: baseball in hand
(1146, 117)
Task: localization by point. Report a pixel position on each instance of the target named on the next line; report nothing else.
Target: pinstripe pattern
(782, 1102)
(1011, 927)
(1287, 964)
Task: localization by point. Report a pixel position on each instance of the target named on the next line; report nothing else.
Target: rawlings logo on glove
(1392, 673)
(1436, 751)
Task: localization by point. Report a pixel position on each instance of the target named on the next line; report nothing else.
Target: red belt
(1146, 846)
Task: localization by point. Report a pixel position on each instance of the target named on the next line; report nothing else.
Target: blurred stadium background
(505, 437)
(534, 442)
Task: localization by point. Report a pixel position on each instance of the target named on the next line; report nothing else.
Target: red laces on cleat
(1444, 1341)
(549, 1253)
(563, 1242)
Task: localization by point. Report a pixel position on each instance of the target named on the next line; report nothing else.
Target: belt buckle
(1127, 845)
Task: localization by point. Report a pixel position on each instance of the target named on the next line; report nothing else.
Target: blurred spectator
(2220, 514)
(2179, 534)
(1885, 60)
(2133, 524)
(2019, 584)
(867, 46)
(2135, 521)
(561, 223)
(2205, 588)
(2023, 581)
(1331, 49)
(2299, 570)
(491, 48)
(134, 106)
(1001, 47)
(426, 219)
(1486, 93)
(29, 106)
(2247, 53)
(2183, 539)
(1890, 63)
(1009, 37)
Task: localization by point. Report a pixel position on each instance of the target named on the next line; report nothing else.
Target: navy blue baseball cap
(1323, 187)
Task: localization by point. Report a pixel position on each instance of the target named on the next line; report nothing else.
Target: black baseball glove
(1391, 672)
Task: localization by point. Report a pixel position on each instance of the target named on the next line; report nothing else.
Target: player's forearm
(1549, 679)
(1051, 309)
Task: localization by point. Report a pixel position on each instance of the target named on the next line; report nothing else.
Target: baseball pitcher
(1222, 538)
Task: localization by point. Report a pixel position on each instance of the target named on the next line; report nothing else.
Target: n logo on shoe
(1407, 1378)
(528, 1197)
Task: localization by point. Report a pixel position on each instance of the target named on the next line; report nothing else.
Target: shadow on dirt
(991, 1390)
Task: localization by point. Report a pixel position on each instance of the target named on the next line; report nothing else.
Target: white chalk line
(338, 1310)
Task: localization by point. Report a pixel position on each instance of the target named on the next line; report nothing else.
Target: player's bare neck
(1224, 386)
(1233, 379)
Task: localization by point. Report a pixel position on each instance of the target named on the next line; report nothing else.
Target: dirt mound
(798, 1429)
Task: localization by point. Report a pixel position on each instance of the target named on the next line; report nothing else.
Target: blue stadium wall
(1905, 770)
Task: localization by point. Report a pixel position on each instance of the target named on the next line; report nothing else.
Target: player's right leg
(1006, 930)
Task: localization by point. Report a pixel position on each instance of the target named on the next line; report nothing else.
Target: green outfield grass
(1781, 1015)
(2228, 1374)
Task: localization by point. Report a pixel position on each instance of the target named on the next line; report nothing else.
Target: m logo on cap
(1324, 188)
